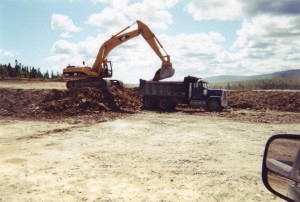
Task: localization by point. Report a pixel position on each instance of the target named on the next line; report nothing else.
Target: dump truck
(192, 91)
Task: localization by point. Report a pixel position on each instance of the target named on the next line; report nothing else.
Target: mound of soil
(78, 101)
(49, 104)
(63, 103)
(284, 101)
(20, 102)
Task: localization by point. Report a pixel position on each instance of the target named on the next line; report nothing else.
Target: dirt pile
(77, 101)
(20, 102)
(52, 103)
(285, 101)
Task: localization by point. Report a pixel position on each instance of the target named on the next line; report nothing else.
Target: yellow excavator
(80, 77)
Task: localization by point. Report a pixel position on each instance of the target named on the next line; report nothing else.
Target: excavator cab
(107, 69)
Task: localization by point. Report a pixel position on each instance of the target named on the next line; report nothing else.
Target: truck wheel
(214, 105)
(69, 84)
(149, 103)
(164, 104)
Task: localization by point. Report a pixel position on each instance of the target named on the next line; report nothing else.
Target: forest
(292, 83)
(19, 71)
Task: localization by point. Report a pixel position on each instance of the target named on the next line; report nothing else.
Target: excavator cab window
(108, 69)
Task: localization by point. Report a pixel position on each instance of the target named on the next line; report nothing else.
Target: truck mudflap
(224, 99)
(141, 88)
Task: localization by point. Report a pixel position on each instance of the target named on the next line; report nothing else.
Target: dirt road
(142, 157)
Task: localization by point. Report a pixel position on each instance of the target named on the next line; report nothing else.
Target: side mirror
(281, 166)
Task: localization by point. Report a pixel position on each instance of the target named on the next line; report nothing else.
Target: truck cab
(200, 95)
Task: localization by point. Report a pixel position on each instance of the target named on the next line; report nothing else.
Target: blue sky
(203, 37)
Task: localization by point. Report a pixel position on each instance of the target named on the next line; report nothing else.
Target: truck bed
(162, 88)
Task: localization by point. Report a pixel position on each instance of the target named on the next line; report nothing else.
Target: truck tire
(164, 104)
(69, 84)
(214, 105)
(149, 103)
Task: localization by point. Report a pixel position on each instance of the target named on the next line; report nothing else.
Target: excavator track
(93, 83)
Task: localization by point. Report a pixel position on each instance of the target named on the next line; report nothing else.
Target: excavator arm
(100, 65)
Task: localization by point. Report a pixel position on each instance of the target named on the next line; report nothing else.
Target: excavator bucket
(164, 72)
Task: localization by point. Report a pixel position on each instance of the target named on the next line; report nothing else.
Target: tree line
(20, 71)
(261, 84)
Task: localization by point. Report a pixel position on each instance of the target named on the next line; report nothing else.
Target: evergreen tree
(4, 71)
(11, 71)
(1, 71)
(18, 72)
(46, 75)
(32, 73)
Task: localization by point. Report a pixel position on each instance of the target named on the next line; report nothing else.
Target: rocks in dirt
(48, 103)
(20, 102)
(285, 101)
(77, 101)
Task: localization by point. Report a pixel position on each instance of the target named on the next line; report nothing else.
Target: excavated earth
(253, 106)
(31, 103)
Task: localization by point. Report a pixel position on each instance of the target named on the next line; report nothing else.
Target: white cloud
(122, 13)
(239, 9)
(268, 35)
(267, 38)
(9, 54)
(65, 35)
(268, 43)
(65, 52)
(63, 22)
(63, 47)
(257, 7)
(90, 46)
(154, 13)
(198, 54)
(100, 1)
(215, 9)
(109, 19)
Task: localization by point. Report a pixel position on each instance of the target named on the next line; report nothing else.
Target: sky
(203, 37)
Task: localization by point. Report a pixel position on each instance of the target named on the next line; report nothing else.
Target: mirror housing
(281, 166)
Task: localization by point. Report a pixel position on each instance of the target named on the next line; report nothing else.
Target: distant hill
(228, 78)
